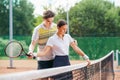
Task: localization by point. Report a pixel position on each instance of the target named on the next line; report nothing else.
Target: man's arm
(32, 46)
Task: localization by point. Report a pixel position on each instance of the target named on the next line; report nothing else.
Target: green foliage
(118, 13)
(94, 18)
(111, 22)
(22, 17)
(4, 18)
(3, 43)
(61, 14)
(38, 20)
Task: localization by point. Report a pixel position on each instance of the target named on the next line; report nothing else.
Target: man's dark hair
(48, 14)
(61, 22)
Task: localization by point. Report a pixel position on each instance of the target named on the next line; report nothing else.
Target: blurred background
(95, 24)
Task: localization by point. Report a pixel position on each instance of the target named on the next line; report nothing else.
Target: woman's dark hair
(48, 14)
(61, 22)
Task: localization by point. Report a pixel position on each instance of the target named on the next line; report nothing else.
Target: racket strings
(13, 49)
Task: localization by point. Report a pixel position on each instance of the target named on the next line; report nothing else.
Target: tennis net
(101, 69)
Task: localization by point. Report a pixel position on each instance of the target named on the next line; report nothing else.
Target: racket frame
(22, 50)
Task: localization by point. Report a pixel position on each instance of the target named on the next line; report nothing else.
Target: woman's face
(62, 30)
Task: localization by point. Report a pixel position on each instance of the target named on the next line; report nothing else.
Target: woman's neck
(60, 35)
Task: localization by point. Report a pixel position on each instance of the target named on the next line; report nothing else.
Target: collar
(58, 36)
(43, 26)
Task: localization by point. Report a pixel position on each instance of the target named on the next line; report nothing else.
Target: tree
(38, 20)
(22, 17)
(93, 18)
(61, 14)
(111, 22)
(4, 18)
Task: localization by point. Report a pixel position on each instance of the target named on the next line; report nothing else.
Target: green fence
(94, 47)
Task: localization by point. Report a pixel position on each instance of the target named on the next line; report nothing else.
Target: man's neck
(47, 26)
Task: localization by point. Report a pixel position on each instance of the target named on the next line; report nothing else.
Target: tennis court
(22, 65)
(28, 65)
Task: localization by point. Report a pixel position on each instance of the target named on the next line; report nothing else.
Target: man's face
(49, 21)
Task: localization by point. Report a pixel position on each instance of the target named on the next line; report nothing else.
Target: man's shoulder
(39, 26)
(54, 24)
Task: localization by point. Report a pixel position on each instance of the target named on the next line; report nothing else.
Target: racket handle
(31, 55)
(28, 55)
(34, 57)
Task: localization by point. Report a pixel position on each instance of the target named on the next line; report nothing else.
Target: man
(40, 36)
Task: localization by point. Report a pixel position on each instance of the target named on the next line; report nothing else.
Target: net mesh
(101, 69)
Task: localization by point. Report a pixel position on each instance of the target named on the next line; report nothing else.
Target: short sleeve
(35, 34)
(70, 38)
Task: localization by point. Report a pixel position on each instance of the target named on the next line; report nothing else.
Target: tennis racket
(15, 49)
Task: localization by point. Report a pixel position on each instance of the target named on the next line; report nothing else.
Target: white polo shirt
(60, 47)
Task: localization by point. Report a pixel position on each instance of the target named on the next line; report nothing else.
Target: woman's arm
(77, 49)
(80, 52)
(44, 52)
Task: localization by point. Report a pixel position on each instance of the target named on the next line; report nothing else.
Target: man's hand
(31, 55)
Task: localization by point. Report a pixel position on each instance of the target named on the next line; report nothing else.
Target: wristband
(85, 57)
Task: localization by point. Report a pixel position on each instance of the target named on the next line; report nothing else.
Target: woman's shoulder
(53, 36)
(67, 35)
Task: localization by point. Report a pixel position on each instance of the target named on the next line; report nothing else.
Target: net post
(117, 51)
(11, 59)
(100, 71)
(113, 65)
(11, 64)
